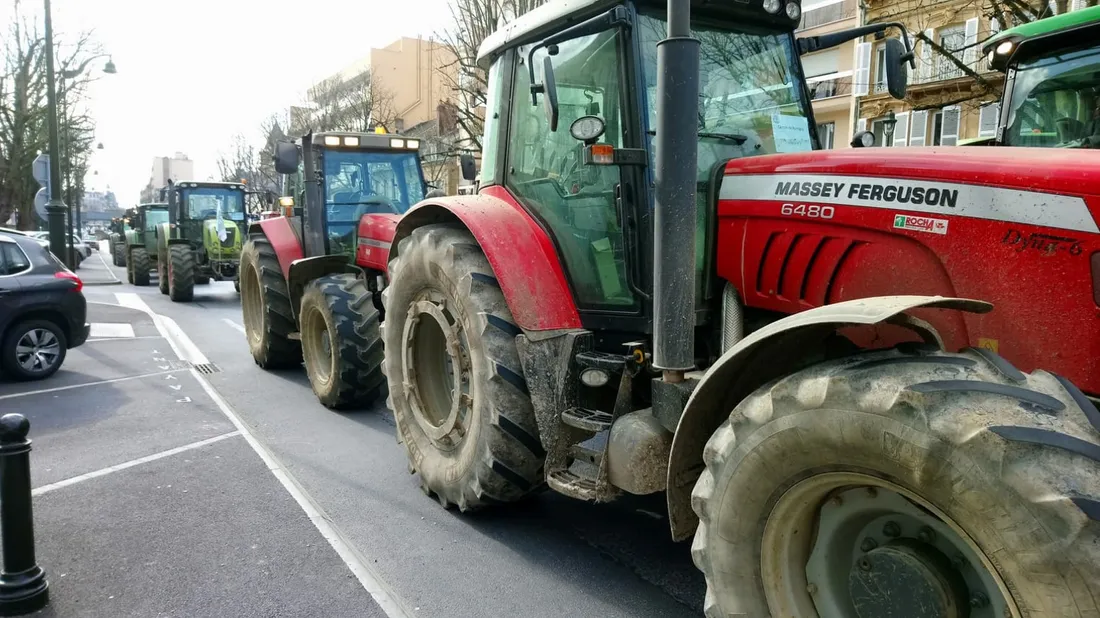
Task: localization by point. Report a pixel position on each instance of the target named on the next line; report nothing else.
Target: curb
(115, 281)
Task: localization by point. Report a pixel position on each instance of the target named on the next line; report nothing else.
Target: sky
(192, 73)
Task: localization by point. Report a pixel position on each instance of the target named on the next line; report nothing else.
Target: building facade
(176, 167)
(829, 72)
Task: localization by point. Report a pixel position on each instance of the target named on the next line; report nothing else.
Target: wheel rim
(862, 527)
(37, 350)
(317, 345)
(252, 304)
(437, 370)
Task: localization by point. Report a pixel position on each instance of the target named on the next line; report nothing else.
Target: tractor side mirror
(286, 158)
(897, 73)
(550, 93)
(469, 170)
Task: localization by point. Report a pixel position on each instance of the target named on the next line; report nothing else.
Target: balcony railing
(830, 88)
(827, 14)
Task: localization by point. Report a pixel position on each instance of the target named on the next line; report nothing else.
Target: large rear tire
(162, 274)
(341, 342)
(456, 384)
(181, 273)
(141, 264)
(932, 479)
(265, 305)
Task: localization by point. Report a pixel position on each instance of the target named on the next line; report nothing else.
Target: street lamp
(888, 128)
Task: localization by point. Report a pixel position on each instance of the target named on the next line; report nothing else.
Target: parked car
(42, 309)
(40, 237)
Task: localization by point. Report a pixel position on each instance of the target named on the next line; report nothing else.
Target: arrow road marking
(175, 387)
(184, 400)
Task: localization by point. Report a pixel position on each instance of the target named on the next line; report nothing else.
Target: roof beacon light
(351, 140)
(332, 140)
(397, 143)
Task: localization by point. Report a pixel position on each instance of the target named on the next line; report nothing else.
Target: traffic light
(40, 168)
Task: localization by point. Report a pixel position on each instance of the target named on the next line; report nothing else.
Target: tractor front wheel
(140, 266)
(119, 254)
(888, 481)
(457, 389)
(181, 273)
(265, 305)
(341, 342)
(162, 274)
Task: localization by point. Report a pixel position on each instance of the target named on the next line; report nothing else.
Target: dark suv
(42, 309)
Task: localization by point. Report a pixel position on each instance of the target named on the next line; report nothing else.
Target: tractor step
(591, 450)
(568, 483)
(589, 420)
(581, 479)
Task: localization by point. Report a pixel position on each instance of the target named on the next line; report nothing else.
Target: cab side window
(544, 171)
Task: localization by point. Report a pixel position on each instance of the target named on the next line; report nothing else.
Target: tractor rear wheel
(456, 384)
(341, 342)
(140, 266)
(886, 481)
(162, 274)
(181, 273)
(265, 305)
(119, 254)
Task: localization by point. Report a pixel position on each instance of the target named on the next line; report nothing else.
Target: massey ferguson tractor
(202, 238)
(309, 280)
(1052, 91)
(852, 373)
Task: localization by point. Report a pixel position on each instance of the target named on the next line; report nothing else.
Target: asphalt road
(548, 556)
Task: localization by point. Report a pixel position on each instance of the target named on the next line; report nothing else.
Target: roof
(1044, 27)
(533, 24)
(208, 183)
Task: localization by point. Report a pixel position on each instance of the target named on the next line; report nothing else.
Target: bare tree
(356, 104)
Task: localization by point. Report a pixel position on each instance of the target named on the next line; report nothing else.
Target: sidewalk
(148, 501)
(95, 271)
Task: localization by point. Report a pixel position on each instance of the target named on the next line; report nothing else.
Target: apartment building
(176, 167)
(829, 73)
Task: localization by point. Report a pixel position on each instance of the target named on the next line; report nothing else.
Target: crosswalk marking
(110, 330)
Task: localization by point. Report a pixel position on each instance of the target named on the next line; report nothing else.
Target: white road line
(98, 339)
(234, 325)
(109, 271)
(82, 385)
(111, 330)
(368, 577)
(38, 491)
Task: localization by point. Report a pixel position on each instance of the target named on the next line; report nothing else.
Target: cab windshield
(1055, 101)
(209, 202)
(155, 217)
(359, 182)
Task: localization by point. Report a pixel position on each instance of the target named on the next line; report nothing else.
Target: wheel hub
(437, 371)
(37, 350)
(904, 580)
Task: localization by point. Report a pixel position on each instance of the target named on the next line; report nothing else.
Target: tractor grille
(229, 237)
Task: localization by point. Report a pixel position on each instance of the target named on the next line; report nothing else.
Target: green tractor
(1052, 81)
(202, 238)
(116, 238)
(140, 242)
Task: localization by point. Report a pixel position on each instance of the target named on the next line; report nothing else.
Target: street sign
(40, 169)
(40, 200)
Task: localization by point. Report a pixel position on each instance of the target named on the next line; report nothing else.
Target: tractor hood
(217, 246)
(1054, 188)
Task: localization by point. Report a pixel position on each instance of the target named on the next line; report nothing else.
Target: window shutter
(861, 125)
(950, 133)
(901, 129)
(925, 72)
(970, 55)
(987, 120)
(1077, 5)
(1052, 7)
(918, 126)
(861, 80)
(995, 26)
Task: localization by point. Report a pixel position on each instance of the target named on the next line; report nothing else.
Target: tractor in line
(864, 380)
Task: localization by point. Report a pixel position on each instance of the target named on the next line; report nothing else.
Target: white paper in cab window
(791, 133)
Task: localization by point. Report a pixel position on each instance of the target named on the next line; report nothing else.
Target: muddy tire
(119, 254)
(181, 273)
(140, 266)
(265, 305)
(466, 420)
(162, 275)
(341, 342)
(1007, 463)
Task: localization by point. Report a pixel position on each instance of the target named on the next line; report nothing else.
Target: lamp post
(888, 128)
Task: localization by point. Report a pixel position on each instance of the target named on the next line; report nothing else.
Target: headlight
(351, 140)
(773, 6)
(286, 200)
(397, 143)
(793, 11)
(332, 140)
(586, 128)
(1004, 48)
(412, 143)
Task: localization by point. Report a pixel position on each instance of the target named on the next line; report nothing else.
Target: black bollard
(23, 586)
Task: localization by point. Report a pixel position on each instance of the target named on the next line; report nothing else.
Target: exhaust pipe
(674, 212)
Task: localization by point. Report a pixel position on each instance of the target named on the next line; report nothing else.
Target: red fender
(375, 235)
(283, 238)
(524, 259)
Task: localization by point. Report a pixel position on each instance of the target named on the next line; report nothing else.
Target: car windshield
(1055, 101)
(209, 202)
(358, 182)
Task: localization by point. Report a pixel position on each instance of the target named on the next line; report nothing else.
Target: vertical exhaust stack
(674, 216)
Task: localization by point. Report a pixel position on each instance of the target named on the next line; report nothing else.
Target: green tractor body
(201, 240)
(139, 245)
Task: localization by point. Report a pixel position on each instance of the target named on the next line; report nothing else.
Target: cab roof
(1079, 22)
(538, 22)
(209, 183)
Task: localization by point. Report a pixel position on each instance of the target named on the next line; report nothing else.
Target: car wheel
(33, 350)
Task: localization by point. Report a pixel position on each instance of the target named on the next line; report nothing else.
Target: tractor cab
(1052, 87)
(355, 174)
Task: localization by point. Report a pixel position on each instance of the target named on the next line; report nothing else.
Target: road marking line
(98, 339)
(368, 577)
(234, 325)
(38, 491)
(111, 330)
(82, 385)
(109, 271)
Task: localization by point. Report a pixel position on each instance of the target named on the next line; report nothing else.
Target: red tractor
(302, 294)
(677, 295)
